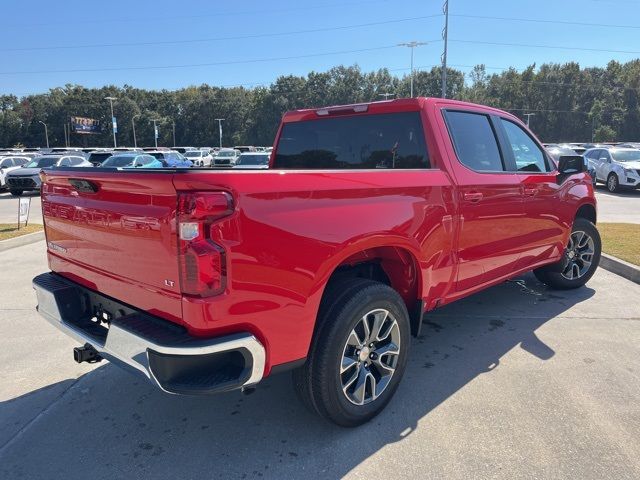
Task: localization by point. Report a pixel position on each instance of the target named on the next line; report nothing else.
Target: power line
(146, 20)
(557, 47)
(230, 62)
(217, 39)
(535, 20)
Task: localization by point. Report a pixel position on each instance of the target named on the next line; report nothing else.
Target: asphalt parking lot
(515, 382)
(612, 207)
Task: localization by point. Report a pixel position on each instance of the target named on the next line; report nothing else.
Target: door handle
(473, 197)
(530, 191)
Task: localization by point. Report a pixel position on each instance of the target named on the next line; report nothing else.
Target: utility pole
(220, 120)
(66, 138)
(155, 131)
(46, 133)
(386, 95)
(445, 37)
(411, 45)
(114, 125)
(133, 125)
(528, 115)
(174, 132)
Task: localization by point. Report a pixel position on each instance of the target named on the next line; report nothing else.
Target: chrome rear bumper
(163, 352)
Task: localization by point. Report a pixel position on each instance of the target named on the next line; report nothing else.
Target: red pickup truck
(369, 216)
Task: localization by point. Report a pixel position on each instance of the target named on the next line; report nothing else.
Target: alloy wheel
(370, 357)
(579, 255)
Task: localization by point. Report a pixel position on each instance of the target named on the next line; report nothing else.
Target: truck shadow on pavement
(109, 424)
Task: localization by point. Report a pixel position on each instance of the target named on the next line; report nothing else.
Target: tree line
(568, 103)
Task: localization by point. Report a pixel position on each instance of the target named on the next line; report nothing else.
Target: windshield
(118, 161)
(626, 155)
(226, 154)
(193, 154)
(43, 162)
(99, 157)
(253, 160)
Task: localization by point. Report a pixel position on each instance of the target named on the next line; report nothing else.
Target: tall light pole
(155, 131)
(445, 37)
(528, 115)
(46, 133)
(411, 45)
(220, 120)
(133, 125)
(173, 123)
(114, 125)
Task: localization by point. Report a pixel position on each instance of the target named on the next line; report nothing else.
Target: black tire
(319, 381)
(552, 275)
(16, 193)
(613, 183)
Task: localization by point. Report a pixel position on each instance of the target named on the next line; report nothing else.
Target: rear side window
(475, 141)
(386, 141)
(528, 156)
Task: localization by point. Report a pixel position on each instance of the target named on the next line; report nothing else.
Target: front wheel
(613, 185)
(359, 352)
(580, 260)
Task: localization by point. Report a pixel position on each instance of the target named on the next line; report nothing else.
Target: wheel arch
(587, 211)
(392, 263)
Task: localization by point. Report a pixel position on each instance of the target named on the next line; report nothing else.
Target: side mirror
(570, 164)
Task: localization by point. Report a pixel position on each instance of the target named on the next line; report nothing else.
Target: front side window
(384, 141)
(528, 156)
(475, 141)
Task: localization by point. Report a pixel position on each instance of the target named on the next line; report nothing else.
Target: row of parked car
(20, 168)
(617, 165)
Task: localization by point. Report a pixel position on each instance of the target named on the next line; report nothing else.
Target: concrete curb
(21, 240)
(620, 267)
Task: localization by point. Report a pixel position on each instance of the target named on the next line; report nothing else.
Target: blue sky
(372, 28)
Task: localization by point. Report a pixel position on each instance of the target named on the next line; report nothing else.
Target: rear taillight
(203, 268)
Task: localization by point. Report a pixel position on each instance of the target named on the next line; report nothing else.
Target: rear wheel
(16, 193)
(359, 352)
(580, 261)
(613, 185)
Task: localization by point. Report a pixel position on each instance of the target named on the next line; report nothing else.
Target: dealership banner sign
(85, 125)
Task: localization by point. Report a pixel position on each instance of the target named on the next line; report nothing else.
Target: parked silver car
(616, 167)
(253, 160)
(28, 176)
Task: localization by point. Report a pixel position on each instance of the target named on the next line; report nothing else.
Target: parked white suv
(200, 158)
(616, 167)
(8, 164)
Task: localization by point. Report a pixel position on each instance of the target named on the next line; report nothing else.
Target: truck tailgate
(116, 232)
